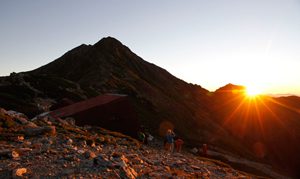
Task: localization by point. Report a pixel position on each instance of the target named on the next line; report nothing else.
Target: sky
(255, 43)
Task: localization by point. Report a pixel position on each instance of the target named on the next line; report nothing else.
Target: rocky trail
(47, 147)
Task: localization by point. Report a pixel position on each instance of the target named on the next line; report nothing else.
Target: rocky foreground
(48, 147)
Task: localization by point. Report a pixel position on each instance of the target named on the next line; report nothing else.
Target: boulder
(90, 155)
(19, 172)
(40, 131)
(14, 154)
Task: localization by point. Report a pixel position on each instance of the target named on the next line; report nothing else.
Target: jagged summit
(109, 41)
(230, 87)
(112, 46)
(106, 43)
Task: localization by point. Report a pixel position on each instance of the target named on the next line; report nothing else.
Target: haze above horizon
(211, 43)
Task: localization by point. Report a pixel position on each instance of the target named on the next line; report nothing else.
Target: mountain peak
(230, 88)
(233, 86)
(109, 41)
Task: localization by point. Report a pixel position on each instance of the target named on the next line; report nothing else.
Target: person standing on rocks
(169, 146)
(141, 136)
(178, 144)
(204, 150)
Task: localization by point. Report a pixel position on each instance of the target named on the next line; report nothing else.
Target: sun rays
(253, 91)
(248, 110)
(249, 115)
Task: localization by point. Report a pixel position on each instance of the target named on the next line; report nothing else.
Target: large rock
(40, 131)
(19, 172)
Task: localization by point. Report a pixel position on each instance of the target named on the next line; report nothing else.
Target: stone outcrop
(40, 131)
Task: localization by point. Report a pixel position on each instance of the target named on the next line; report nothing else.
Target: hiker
(149, 138)
(169, 145)
(178, 144)
(204, 150)
(141, 136)
(146, 138)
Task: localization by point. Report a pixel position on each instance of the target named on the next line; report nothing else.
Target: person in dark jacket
(169, 146)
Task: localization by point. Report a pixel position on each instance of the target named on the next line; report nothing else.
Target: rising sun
(252, 91)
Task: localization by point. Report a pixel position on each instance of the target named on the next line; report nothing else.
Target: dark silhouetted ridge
(230, 88)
